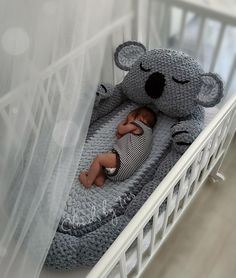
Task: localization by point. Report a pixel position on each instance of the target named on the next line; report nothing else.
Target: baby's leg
(108, 160)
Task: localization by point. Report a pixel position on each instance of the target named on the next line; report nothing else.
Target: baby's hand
(125, 127)
(118, 135)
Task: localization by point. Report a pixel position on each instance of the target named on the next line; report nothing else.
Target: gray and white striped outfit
(131, 151)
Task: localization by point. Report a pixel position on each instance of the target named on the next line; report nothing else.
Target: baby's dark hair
(151, 120)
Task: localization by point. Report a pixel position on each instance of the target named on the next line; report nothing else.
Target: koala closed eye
(180, 81)
(143, 69)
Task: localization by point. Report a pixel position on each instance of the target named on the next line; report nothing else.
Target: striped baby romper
(131, 150)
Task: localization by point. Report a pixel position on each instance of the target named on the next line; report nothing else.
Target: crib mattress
(93, 218)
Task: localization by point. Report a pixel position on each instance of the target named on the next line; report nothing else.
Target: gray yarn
(70, 252)
(179, 101)
(79, 208)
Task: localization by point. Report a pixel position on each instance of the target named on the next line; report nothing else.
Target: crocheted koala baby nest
(171, 83)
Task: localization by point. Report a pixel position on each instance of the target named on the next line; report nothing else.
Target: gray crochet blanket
(93, 218)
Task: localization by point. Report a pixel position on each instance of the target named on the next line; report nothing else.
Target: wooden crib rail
(202, 158)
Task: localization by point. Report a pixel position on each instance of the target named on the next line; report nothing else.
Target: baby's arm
(126, 128)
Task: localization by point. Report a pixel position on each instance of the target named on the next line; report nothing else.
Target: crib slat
(193, 169)
(148, 24)
(49, 88)
(167, 212)
(225, 143)
(140, 250)
(30, 117)
(203, 158)
(112, 46)
(225, 129)
(123, 269)
(127, 32)
(157, 23)
(73, 73)
(46, 102)
(142, 26)
(166, 24)
(200, 35)
(154, 32)
(217, 47)
(117, 38)
(223, 134)
(231, 75)
(211, 152)
(181, 185)
(154, 228)
(77, 75)
(182, 28)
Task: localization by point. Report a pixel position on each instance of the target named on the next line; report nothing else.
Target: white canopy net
(51, 56)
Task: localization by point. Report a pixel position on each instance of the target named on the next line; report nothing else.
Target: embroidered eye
(180, 81)
(143, 69)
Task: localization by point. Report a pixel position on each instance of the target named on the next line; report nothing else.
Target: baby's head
(143, 114)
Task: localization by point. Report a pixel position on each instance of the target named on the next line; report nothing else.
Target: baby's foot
(99, 181)
(83, 177)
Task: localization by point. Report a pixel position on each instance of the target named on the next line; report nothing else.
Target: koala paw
(183, 135)
(103, 91)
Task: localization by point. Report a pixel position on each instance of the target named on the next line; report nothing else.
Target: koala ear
(211, 90)
(127, 53)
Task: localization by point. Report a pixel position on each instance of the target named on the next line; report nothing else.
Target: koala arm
(186, 130)
(108, 97)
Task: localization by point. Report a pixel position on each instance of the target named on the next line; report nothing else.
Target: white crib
(133, 250)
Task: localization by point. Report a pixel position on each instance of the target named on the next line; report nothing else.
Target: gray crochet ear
(127, 53)
(211, 90)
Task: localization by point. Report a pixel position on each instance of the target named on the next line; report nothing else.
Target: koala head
(171, 80)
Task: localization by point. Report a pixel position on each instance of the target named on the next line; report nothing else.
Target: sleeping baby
(131, 149)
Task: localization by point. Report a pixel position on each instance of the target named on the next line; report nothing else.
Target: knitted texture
(168, 81)
(85, 209)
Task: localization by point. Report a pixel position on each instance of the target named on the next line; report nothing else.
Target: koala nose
(155, 84)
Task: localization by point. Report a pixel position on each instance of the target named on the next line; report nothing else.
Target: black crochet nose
(155, 84)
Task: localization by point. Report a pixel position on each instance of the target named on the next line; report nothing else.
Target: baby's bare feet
(100, 180)
(83, 179)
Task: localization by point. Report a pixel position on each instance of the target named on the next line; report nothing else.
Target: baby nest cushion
(172, 83)
(94, 217)
(88, 209)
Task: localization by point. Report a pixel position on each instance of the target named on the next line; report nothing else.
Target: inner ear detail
(128, 53)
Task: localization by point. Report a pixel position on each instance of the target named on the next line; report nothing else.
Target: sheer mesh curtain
(43, 125)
